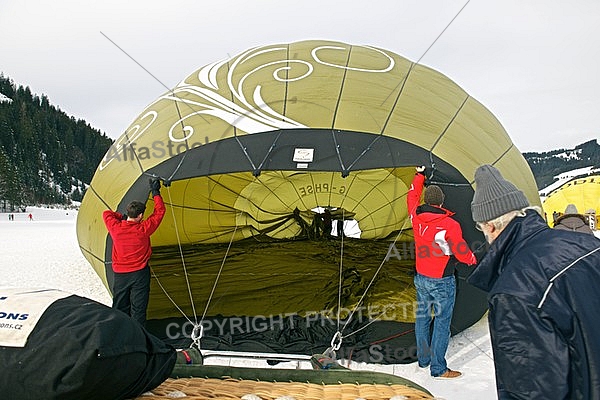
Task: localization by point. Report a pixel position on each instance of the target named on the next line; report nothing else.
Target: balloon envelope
(252, 146)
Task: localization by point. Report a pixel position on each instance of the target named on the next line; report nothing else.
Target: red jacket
(438, 237)
(131, 240)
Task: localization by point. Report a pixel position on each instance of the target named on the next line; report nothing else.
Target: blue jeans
(437, 295)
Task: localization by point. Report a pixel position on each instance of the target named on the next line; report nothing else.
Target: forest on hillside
(546, 165)
(46, 156)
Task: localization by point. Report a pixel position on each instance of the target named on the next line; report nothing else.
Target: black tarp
(81, 349)
(365, 338)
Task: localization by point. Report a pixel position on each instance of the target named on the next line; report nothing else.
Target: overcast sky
(534, 63)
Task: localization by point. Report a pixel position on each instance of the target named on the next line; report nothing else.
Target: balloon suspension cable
(198, 328)
(430, 46)
(360, 301)
(377, 273)
(337, 338)
(433, 168)
(212, 292)
(340, 274)
(367, 148)
(167, 184)
(178, 99)
(187, 280)
(271, 148)
(430, 180)
(170, 298)
(255, 171)
(439, 183)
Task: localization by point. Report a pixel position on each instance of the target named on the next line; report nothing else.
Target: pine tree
(9, 183)
(44, 150)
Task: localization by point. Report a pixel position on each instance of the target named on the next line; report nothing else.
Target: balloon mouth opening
(299, 277)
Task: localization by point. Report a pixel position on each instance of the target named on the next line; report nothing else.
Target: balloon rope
(367, 290)
(442, 32)
(360, 301)
(218, 274)
(196, 324)
(161, 285)
(187, 281)
(170, 298)
(178, 99)
(338, 334)
(340, 271)
(365, 150)
(337, 338)
(403, 81)
(245, 151)
(270, 150)
(362, 327)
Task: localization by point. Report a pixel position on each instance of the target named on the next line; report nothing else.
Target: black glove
(155, 186)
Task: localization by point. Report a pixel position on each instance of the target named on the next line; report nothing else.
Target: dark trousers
(131, 291)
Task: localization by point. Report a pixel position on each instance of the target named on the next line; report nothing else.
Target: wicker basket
(210, 388)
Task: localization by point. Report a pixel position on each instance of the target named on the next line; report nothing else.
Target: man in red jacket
(131, 251)
(439, 245)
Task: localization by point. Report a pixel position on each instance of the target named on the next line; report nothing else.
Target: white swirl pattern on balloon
(251, 114)
(129, 137)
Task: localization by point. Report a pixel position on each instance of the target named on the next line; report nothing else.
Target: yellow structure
(583, 192)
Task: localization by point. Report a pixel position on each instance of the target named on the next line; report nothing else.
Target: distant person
(571, 220)
(131, 251)
(555, 216)
(340, 227)
(440, 244)
(304, 228)
(327, 223)
(30, 217)
(542, 287)
(317, 225)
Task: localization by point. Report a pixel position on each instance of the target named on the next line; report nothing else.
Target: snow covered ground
(43, 253)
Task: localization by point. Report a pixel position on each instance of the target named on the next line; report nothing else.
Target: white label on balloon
(303, 155)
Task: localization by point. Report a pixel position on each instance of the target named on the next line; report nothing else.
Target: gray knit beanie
(433, 195)
(494, 196)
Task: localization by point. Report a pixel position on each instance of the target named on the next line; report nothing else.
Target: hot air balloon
(582, 192)
(253, 149)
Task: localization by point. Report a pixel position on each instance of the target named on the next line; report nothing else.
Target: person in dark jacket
(542, 284)
(131, 251)
(439, 245)
(571, 220)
